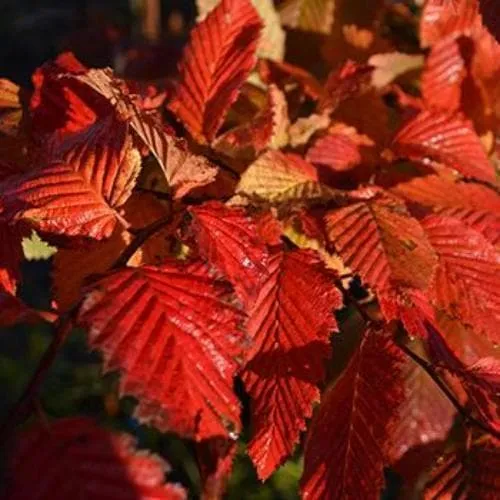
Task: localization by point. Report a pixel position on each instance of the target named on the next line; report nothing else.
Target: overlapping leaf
(471, 473)
(344, 453)
(467, 280)
(339, 149)
(229, 241)
(390, 66)
(74, 458)
(217, 60)
(95, 258)
(58, 200)
(443, 18)
(443, 75)
(279, 177)
(183, 170)
(424, 415)
(175, 342)
(272, 40)
(290, 325)
(381, 242)
(308, 15)
(434, 136)
(267, 129)
(475, 205)
(10, 257)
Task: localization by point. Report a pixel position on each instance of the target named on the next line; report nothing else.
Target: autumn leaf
(381, 242)
(443, 75)
(216, 62)
(433, 136)
(441, 19)
(344, 451)
(74, 457)
(424, 415)
(58, 200)
(308, 15)
(289, 324)
(391, 65)
(467, 280)
(279, 177)
(272, 39)
(471, 473)
(268, 129)
(476, 206)
(175, 342)
(340, 149)
(228, 240)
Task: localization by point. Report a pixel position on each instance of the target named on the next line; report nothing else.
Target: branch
(140, 238)
(426, 366)
(464, 412)
(25, 405)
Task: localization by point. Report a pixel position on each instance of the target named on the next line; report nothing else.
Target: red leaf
(443, 75)
(339, 150)
(381, 242)
(183, 170)
(215, 460)
(424, 415)
(467, 280)
(216, 62)
(62, 106)
(290, 326)
(74, 458)
(443, 18)
(58, 200)
(266, 129)
(346, 441)
(491, 16)
(445, 138)
(349, 81)
(477, 206)
(174, 340)
(463, 474)
(228, 240)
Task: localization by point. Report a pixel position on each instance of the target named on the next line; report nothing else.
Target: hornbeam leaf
(344, 451)
(216, 62)
(308, 15)
(443, 75)
(443, 18)
(229, 240)
(290, 325)
(175, 342)
(58, 200)
(467, 280)
(380, 241)
(446, 138)
(272, 40)
(74, 458)
(467, 473)
(475, 205)
(279, 177)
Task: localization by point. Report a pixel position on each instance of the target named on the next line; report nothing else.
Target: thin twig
(141, 237)
(464, 412)
(426, 366)
(24, 405)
